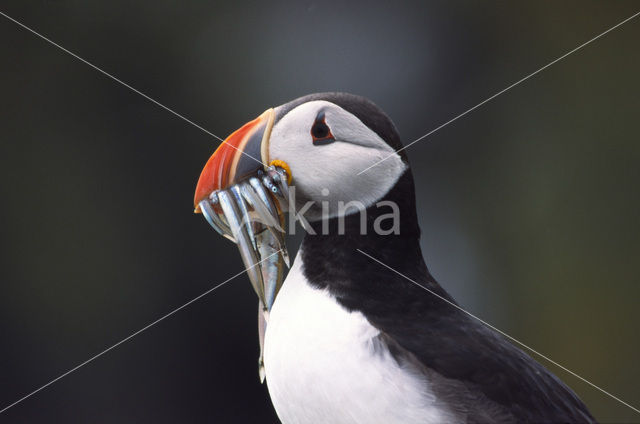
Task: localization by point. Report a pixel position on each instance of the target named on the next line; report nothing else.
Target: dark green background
(529, 205)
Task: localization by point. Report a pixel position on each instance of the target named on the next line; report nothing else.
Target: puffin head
(323, 142)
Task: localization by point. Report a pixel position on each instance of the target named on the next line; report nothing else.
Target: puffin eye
(320, 131)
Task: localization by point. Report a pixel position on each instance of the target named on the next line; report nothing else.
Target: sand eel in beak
(343, 338)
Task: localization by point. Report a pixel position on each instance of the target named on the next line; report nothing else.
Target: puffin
(359, 331)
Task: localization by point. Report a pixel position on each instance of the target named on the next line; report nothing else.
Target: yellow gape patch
(282, 164)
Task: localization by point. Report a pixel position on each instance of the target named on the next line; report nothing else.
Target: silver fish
(251, 217)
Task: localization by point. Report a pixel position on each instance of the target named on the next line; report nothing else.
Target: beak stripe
(266, 137)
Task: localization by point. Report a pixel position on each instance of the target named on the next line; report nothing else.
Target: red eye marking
(320, 131)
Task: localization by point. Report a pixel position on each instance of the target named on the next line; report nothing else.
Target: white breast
(321, 366)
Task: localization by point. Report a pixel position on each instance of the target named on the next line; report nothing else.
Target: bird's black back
(420, 327)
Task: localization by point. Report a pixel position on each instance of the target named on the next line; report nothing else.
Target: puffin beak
(238, 194)
(243, 153)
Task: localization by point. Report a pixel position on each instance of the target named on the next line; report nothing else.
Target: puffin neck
(402, 195)
(331, 255)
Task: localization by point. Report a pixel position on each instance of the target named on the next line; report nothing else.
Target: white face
(334, 166)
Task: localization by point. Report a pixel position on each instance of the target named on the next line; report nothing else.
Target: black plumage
(482, 376)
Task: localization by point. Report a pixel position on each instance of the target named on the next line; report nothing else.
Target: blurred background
(529, 205)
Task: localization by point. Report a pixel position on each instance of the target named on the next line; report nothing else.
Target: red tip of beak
(220, 169)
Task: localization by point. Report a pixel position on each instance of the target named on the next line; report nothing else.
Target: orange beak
(244, 152)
